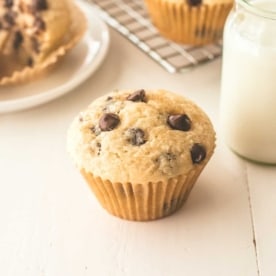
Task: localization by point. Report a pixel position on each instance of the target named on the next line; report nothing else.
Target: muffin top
(141, 136)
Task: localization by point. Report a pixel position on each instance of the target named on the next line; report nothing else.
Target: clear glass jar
(248, 88)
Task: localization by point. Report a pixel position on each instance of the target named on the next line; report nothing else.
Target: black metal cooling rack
(130, 18)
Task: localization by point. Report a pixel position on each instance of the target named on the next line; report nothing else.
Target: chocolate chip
(39, 5)
(35, 45)
(30, 62)
(18, 39)
(179, 122)
(109, 98)
(194, 2)
(198, 153)
(39, 24)
(109, 121)
(136, 136)
(99, 146)
(8, 3)
(137, 96)
(9, 18)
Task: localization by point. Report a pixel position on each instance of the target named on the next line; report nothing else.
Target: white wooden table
(51, 224)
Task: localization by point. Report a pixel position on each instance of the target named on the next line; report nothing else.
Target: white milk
(248, 95)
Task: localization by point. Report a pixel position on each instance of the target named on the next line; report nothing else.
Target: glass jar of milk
(248, 91)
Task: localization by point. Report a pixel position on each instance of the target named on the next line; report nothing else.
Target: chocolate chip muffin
(194, 22)
(30, 30)
(141, 151)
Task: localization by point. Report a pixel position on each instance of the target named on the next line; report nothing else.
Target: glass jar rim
(249, 5)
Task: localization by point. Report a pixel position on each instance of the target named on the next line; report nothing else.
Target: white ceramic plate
(75, 68)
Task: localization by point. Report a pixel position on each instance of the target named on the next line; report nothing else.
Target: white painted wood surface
(51, 224)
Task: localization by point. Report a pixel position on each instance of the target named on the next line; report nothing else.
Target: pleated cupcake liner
(142, 202)
(195, 25)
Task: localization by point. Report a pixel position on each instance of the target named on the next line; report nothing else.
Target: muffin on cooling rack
(141, 151)
(195, 22)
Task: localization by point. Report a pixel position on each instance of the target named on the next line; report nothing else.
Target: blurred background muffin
(31, 31)
(195, 22)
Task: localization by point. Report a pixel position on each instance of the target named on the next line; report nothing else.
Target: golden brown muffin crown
(141, 136)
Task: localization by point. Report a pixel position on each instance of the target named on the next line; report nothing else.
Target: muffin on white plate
(141, 151)
(34, 34)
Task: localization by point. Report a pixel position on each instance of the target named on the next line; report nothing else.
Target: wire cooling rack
(130, 18)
